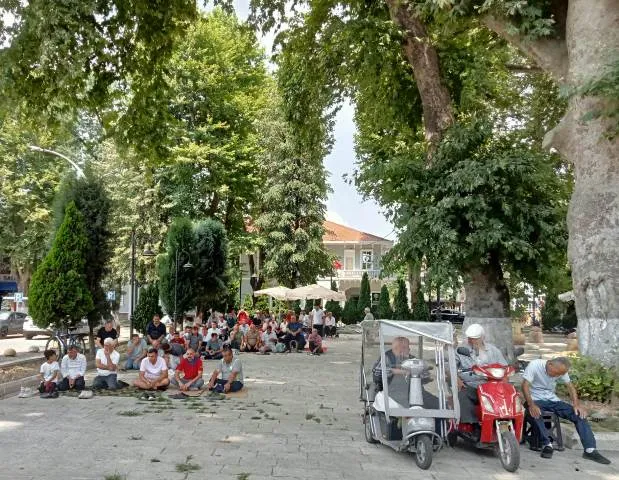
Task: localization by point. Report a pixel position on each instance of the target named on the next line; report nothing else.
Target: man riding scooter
(482, 354)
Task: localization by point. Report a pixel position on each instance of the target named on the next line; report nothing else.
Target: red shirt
(190, 369)
(243, 318)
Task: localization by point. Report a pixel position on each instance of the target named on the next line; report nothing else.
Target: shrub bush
(593, 381)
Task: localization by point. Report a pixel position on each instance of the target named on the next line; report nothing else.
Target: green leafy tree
(293, 209)
(59, 291)
(400, 303)
(248, 303)
(421, 313)
(350, 314)
(384, 304)
(365, 299)
(176, 282)
(147, 307)
(552, 312)
(91, 200)
(334, 306)
(211, 255)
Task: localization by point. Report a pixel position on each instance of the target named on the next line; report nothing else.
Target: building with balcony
(357, 253)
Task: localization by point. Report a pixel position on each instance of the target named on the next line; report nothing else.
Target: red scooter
(500, 413)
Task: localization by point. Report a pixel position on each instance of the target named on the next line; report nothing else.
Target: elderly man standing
(72, 369)
(191, 370)
(538, 386)
(106, 360)
(153, 372)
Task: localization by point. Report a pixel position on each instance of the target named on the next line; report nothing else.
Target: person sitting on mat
(231, 371)
(153, 372)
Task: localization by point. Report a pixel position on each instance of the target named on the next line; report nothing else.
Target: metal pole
(132, 299)
(175, 286)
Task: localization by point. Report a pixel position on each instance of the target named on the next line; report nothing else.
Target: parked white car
(31, 330)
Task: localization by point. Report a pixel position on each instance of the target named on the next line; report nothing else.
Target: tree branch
(550, 54)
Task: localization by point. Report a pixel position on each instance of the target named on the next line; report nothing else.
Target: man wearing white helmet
(482, 353)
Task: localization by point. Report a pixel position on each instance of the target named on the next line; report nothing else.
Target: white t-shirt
(152, 372)
(269, 339)
(115, 356)
(305, 320)
(330, 321)
(211, 331)
(543, 385)
(318, 316)
(49, 370)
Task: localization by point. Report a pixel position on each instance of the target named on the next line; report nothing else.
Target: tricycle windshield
(408, 368)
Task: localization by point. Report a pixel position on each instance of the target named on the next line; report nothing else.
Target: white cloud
(335, 217)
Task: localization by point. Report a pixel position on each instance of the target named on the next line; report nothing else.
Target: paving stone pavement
(300, 420)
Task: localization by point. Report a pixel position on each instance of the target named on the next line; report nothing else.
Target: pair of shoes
(547, 452)
(596, 457)
(25, 392)
(147, 396)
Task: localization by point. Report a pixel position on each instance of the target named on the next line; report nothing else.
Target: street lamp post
(187, 266)
(146, 253)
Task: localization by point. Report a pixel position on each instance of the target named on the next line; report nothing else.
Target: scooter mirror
(518, 351)
(464, 351)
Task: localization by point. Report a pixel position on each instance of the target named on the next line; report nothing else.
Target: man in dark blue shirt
(155, 330)
(295, 333)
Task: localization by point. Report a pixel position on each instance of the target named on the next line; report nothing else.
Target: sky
(344, 205)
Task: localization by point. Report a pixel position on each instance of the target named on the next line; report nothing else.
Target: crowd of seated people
(174, 356)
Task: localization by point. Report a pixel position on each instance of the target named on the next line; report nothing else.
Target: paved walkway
(300, 420)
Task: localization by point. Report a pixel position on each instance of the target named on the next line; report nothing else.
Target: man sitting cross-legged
(212, 350)
(72, 368)
(188, 374)
(153, 372)
(251, 340)
(231, 371)
(315, 342)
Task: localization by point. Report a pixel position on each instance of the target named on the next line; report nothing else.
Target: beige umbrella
(279, 293)
(315, 291)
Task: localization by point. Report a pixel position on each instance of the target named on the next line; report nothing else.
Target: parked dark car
(11, 323)
(453, 316)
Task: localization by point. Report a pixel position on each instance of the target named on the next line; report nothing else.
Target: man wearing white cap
(482, 353)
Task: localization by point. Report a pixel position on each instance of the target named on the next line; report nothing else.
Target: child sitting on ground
(49, 375)
(315, 342)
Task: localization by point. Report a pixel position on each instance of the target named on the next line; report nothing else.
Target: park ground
(300, 419)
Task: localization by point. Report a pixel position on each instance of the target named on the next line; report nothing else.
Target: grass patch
(129, 413)
(242, 476)
(256, 418)
(136, 437)
(155, 460)
(309, 416)
(316, 419)
(187, 467)
(115, 476)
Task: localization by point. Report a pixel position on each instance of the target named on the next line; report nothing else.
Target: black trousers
(79, 384)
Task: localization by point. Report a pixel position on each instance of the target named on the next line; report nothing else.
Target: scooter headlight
(497, 372)
(487, 404)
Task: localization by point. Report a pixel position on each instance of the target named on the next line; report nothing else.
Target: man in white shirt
(106, 360)
(72, 369)
(153, 372)
(212, 330)
(269, 339)
(318, 316)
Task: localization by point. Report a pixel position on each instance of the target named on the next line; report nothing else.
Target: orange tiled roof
(334, 232)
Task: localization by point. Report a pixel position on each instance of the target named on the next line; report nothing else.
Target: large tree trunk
(592, 36)
(422, 56)
(414, 280)
(587, 41)
(487, 303)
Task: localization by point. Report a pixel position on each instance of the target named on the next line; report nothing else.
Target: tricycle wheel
(452, 438)
(423, 451)
(510, 456)
(367, 423)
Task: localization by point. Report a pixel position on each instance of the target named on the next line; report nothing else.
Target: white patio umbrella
(279, 293)
(315, 291)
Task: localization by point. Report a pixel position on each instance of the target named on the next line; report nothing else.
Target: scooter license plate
(504, 426)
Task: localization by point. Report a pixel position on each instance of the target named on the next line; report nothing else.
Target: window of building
(349, 260)
(367, 257)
